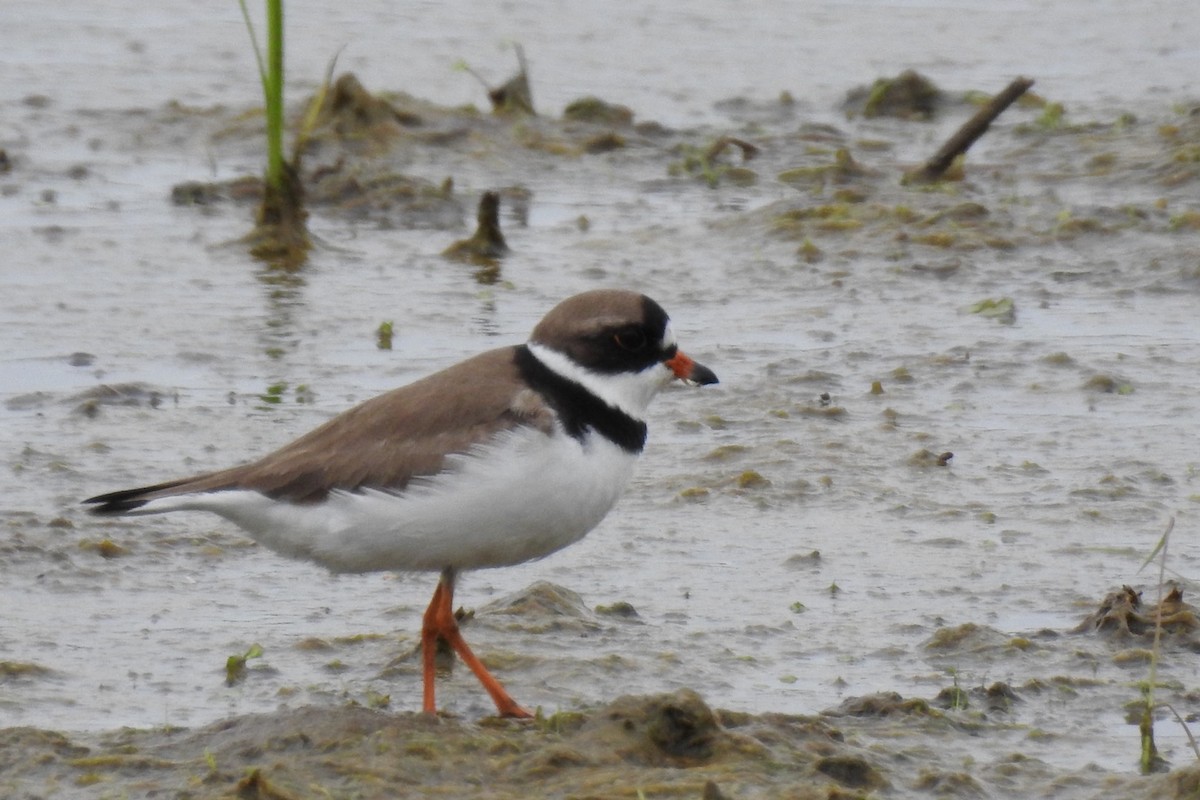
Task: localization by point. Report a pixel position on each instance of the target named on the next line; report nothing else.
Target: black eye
(631, 339)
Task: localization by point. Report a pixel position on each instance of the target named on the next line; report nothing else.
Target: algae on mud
(663, 745)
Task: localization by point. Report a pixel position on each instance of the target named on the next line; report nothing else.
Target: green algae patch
(1059, 359)
(313, 644)
(360, 638)
(750, 479)
(961, 213)
(347, 111)
(908, 96)
(943, 239)
(1108, 384)
(255, 786)
(22, 670)
(822, 411)
(620, 609)
(120, 761)
(595, 111)
(883, 704)
(851, 770)
(235, 665)
(1185, 221)
(966, 638)
(664, 745)
(844, 169)
(105, 548)
(726, 452)
(710, 164)
(610, 140)
(1001, 309)
(924, 458)
(384, 335)
(1133, 657)
(827, 217)
(809, 252)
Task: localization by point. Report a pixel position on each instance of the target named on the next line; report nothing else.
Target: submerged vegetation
(384, 334)
(709, 164)
(235, 665)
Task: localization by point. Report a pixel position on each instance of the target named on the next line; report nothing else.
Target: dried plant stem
(1150, 758)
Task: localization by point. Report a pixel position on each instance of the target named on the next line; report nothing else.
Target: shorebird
(500, 459)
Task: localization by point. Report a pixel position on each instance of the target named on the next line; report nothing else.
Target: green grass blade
(1162, 542)
(258, 56)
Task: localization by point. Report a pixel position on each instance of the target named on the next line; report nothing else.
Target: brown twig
(965, 136)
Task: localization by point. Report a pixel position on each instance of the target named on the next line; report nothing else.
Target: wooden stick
(965, 136)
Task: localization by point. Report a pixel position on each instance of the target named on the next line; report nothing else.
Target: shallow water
(1055, 495)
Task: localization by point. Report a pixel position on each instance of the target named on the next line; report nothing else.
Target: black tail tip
(115, 503)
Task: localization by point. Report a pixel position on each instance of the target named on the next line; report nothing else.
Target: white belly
(523, 497)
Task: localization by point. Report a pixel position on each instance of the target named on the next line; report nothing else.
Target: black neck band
(578, 409)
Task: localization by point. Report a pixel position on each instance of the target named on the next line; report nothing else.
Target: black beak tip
(703, 376)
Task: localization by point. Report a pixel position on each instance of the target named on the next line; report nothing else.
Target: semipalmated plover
(502, 458)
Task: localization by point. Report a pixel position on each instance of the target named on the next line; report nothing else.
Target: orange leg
(439, 622)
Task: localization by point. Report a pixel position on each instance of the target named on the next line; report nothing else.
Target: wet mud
(670, 745)
(901, 553)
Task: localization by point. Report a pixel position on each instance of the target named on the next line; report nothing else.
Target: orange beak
(689, 371)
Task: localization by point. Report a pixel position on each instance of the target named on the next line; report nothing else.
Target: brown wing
(382, 443)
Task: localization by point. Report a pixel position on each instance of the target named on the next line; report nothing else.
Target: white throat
(631, 392)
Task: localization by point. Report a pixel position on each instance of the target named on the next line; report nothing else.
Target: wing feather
(382, 443)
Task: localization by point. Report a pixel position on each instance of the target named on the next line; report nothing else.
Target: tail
(128, 501)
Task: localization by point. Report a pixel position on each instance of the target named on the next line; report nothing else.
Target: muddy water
(784, 552)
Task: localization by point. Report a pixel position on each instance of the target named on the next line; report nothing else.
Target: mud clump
(246, 189)
(997, 698)
(659, 745)
(949, 784)
(967, 638)
(486, 246)
(676, 730)
(350, 111)
(90, 402)
(391, 199)
(598, 112)
(852, 771)
(514, 97)
(909, 95)
(1121, 616)
(11, 671)
(880, 704)
(541, 607)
